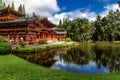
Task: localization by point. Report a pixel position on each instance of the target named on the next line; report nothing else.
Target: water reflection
(106, 58)
(84, 58)
(45, 59)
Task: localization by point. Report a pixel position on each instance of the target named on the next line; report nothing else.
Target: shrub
(5, 48)
(43, 41)
(68, 40)
(2, 39)
(22, 43)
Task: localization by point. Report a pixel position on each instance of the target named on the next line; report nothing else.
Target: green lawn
(15, 68)
(41, 48)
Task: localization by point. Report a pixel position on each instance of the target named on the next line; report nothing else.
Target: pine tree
(24, 10)
(13, 6)
(4, 5)
(9, 5)
(60, 23)
(0, 2)
(20, 9)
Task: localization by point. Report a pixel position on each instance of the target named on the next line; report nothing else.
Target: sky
(58, 9)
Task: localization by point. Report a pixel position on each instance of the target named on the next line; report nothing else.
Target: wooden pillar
(17, 39)
(8, 37)
(43, 35)
(27, 39)
(33, 40)
(46, 36)
(49, 36)
(39, 36)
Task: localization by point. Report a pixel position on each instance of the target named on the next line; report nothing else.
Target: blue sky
(93, 5)
(58, 9)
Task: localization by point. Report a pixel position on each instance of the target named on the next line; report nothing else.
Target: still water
(88, 58)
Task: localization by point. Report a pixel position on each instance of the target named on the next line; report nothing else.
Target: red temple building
(15, 27)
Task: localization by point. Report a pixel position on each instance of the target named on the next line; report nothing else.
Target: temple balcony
(7, 18)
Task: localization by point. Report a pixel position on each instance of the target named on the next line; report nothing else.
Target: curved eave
(9, 10)
(49, 24)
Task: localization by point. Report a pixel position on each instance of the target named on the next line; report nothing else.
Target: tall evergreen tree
(20, 9)
(8, 5)
(4, 5)
(24, 10)
(0, 2)
(1, 5)
(60, 24)
(13, 6)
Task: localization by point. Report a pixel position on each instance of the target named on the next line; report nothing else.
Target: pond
(88, 58)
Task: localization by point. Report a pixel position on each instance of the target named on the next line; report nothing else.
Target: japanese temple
(15, 27)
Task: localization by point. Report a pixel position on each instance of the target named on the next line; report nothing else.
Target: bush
(22, 43)
(5, 48)
(2, 39)
(68, 40)
(43, 41)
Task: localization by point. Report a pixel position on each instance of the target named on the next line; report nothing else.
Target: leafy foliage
(68, 40)
(2, 5)
(78, 29)
(2, 40)
(13, 6)
(102, 29)
(20, 9)
(43, 41)
(5, 48)
(22, 43)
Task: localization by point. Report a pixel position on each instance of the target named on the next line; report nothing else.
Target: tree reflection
(79, 55)
(46, 59)
(108, 56)
(104, 55)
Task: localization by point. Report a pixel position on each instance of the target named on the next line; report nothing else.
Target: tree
(78, 29)
(112, 28)
(97, 24)
(60, 24)
(13, 6)
(20, 9)
(8, 5)
(4, 5)
(119, 3)
(24, 10)
(5, 48)
(82, 29)
(0, 2)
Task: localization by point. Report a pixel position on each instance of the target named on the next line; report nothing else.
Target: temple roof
(43, 23)
(9, 10)
(47, 23)
(14, 22)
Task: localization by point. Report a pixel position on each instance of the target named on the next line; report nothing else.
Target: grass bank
(41, 48)
(14, 68)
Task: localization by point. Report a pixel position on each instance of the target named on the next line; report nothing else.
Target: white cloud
(41, 7)
(86, 14)
(108, 8)
(50, 7)
(74, 14)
